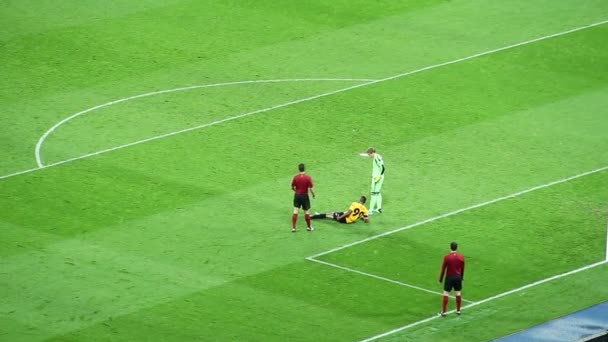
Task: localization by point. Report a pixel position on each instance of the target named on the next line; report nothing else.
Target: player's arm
(462, 274)
(444, 266)
(312, 192)
(344, 215)
(365, 216)
(378, 170)
(293, 185)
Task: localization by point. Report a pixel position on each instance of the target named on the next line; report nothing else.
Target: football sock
(307, 218)
(445, 304)
(379, 201)
(318, 216)
(458, 302)
(294, 219)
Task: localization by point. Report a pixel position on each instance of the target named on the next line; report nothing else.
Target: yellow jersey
(357, 210)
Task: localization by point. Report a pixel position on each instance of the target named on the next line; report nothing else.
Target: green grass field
(148, 148)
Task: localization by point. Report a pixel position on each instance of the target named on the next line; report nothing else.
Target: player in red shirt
(301, 184)
(453, 270)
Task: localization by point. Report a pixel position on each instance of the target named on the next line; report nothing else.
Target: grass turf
(188, 237)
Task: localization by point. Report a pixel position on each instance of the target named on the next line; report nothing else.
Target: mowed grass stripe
(506, 309)
(41, 165)
(238, 309)
(511, 240)
(89, 282)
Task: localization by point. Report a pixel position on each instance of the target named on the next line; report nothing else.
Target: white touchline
(451, 213)
(488, 300)
(41, 165)
(166, 91)
(382, 278)
(607, 236)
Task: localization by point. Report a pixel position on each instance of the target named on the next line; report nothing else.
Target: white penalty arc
(42, 139)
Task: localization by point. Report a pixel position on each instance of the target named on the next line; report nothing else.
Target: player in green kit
(375, 204)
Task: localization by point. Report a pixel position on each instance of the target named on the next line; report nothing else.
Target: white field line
(20, 172)
(519, 193)
(607, 237)
(107, 104)
(383, 278)
(487, 300)
(38, 145)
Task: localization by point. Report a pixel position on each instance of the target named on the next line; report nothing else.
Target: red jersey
(453, 263)
(301, 183)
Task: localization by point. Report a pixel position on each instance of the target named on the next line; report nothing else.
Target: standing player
(453, 270)
(301, 184)
(375, 204)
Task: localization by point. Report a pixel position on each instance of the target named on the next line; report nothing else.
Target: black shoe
(458, 312)
(380, 210)
(442, 314)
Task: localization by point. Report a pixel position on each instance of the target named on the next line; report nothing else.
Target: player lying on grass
(357, 210)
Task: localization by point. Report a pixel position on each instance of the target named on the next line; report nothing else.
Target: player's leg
(318, 216)
(297, 204)
(457, 289)
(447, 288)
(338, 214)
(444, 303)
(378, 189)
(306, 207)
(294, 218)
(307, 217)
(373, 197)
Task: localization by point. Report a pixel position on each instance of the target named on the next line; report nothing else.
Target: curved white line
(73, 116)
(40, 165)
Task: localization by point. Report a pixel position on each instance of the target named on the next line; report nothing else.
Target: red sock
(445, 304)
(458, 302)
(294, 219)
(307, 218)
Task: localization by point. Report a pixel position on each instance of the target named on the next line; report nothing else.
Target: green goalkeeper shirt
(377, 166)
